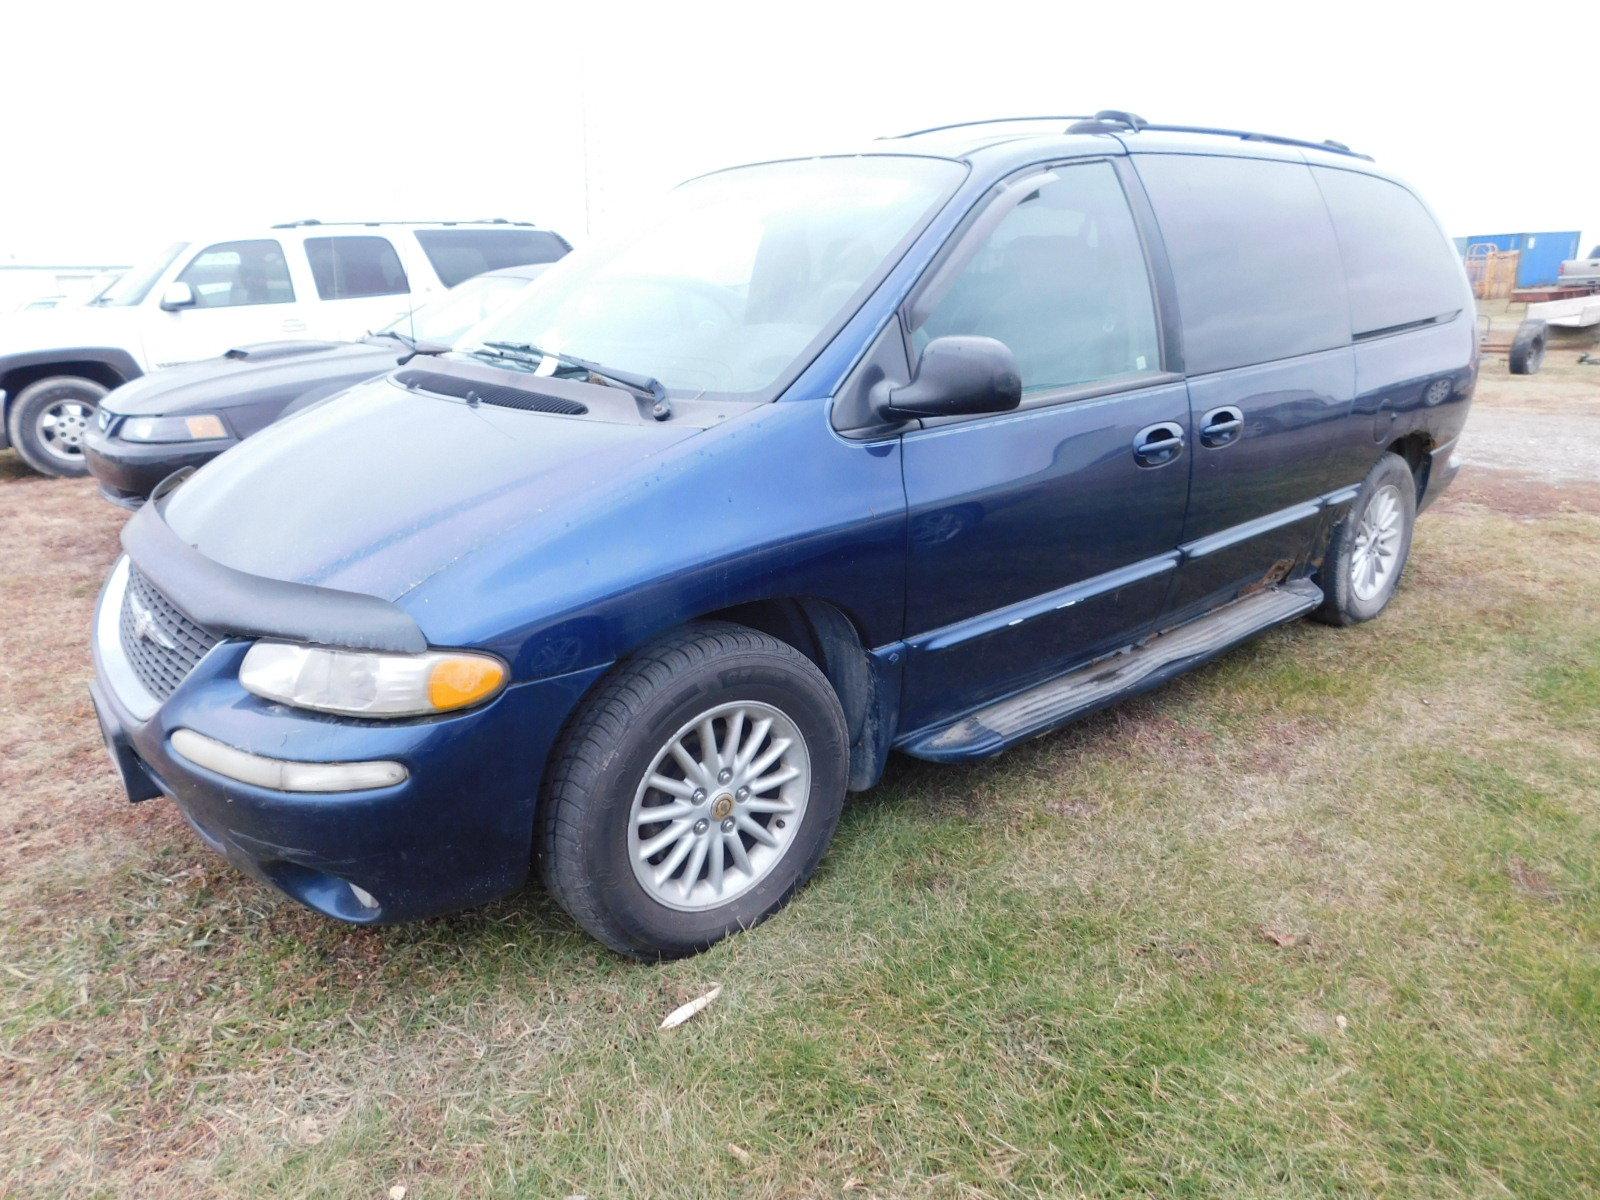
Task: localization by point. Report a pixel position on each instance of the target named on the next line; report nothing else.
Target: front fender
(771, 504)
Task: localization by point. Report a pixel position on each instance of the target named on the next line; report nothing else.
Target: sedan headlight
(198, 428)
(360, 683)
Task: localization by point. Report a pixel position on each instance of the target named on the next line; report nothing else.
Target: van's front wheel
(694, 792)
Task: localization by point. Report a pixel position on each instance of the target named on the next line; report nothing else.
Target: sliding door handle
(1221, 426)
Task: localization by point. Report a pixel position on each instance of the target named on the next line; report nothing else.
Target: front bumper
(129, 471)
(456, 832)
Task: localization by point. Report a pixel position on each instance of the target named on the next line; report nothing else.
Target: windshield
(136, 282)
(735, 274)
(445, 319)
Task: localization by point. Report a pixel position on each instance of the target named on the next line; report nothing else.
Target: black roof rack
(1113, 120)
(309, 222)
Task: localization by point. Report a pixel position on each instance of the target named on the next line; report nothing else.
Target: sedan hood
(270, 371)
(380, 488)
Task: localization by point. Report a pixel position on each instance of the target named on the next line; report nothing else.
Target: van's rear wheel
(1368, 551)
(48, 420)
(694, 792)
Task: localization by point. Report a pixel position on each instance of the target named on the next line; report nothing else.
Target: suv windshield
(734, 276)
(443, 320)
(136, 283)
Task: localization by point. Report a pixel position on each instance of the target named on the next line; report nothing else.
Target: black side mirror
(957, 376)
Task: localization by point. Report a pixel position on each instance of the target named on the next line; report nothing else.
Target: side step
(1057, 701)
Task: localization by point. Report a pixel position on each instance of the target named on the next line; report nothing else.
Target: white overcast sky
(125, 125)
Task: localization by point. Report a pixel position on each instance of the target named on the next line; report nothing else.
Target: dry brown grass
(1319, 919)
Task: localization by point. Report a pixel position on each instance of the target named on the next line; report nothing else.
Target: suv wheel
(694, 791)
(1368, 550)
(48, 420)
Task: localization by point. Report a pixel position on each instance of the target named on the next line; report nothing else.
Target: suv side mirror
(957, 376)
(177, 295)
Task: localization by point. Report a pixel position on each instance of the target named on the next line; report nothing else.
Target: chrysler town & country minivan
(931, 448)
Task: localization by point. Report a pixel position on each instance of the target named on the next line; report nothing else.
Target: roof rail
(889, 137)
(1115, 121)
(1112, 120)
(310, 222)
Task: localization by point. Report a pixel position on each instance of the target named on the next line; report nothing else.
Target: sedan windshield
(735, 275)
(446, 318)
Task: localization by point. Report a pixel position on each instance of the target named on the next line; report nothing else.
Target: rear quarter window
(346, 268)
(1253, 258)
(1398, 265)
(458, 254)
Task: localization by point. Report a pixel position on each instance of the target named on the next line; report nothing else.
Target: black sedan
(187, 415)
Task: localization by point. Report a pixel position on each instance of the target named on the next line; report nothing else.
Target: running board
(1057, 701)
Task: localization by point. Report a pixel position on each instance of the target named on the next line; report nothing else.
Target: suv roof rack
(889, 137)
(1113, 120)
(309, 222)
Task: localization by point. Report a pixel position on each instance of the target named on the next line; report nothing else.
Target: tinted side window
(348, 267)
(1253, 257)
(229, 274)
(458, 254)
(1397, 263)
(1061, 280)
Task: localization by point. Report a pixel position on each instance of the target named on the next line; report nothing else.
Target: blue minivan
(930, 447)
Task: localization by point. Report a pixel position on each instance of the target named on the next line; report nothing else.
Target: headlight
(199, 428)
(358, 683)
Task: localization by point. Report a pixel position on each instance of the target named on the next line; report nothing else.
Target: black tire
(609, 745)
(38, 448)
(1527, 348)
(1341, 605)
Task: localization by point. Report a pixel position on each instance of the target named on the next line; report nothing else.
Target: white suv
(304, 280)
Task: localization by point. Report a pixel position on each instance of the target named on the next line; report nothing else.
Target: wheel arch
(109, 366)
(830, 638)
(1417, 450)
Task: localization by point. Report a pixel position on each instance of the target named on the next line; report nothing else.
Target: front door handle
(294, 325)
(1221, 426)
(1159, 444)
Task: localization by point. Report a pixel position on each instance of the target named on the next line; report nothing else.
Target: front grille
(489, 393)
(161, 643)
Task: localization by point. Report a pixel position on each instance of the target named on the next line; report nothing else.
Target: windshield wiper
(647, 389)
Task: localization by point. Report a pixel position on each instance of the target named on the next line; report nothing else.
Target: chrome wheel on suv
(48, 420)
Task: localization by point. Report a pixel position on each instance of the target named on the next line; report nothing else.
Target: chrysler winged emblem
(145, 627)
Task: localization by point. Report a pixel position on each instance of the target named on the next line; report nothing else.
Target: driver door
(242, 293)
(1043, 537)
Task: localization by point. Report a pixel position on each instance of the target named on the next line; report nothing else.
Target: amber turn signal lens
(207, 426)
(459, 681)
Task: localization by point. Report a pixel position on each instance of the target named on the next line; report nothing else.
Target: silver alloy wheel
(61, 426)
(1376, 553)
(720, 806)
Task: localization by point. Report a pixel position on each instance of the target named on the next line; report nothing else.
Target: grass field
(1322, 919)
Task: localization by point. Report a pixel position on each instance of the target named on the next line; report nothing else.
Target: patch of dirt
(1522, 494)
(1532, 882)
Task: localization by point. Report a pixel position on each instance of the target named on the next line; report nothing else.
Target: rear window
(1398, 265)
(1253, 258)
(458, 254)
(349, 267)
